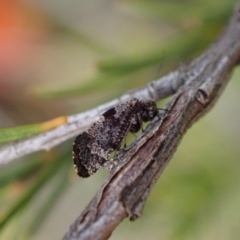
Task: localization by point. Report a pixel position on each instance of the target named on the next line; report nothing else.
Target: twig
(140, 165)
(155, 90)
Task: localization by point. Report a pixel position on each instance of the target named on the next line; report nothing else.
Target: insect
(91, 149)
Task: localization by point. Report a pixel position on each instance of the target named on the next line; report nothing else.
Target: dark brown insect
(91, 149)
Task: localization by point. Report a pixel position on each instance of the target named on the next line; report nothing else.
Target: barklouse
(91, 149)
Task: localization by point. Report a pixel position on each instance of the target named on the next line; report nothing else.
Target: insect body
(91, 149)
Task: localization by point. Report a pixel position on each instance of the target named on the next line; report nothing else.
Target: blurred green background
(62, 57)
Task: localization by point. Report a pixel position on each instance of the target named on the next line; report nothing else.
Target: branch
(140, 165)
(76, 124)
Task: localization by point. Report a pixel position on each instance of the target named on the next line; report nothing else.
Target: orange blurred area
(21, 29)
(24, 32)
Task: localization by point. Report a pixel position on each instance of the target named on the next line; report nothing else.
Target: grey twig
(140, 165)
(155, 90)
